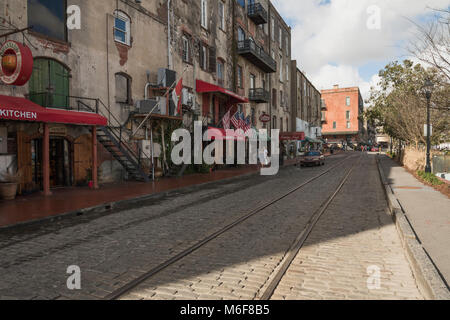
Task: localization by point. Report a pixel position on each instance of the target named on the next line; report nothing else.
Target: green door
(49, 84)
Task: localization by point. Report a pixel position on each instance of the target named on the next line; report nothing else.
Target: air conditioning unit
(166, 77)
(145, 106)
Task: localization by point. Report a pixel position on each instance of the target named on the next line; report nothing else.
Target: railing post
(96, 106)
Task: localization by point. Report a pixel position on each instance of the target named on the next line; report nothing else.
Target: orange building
(341, 122)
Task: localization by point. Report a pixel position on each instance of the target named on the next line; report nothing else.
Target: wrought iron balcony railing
(259, 95)
(257, 13)
(256, 55)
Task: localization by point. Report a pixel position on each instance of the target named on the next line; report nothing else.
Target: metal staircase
(112, 138)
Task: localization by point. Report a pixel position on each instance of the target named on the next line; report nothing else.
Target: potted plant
(9, 183)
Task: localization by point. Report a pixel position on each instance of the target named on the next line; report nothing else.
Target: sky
(347, 42)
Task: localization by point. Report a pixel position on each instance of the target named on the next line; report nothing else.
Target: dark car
(312, 158)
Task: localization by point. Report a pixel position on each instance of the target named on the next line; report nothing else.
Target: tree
(432, 43)
(399, 105)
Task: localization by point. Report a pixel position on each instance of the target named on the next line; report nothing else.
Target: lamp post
(428, 90)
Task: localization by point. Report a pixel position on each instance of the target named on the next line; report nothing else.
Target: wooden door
(82, 155)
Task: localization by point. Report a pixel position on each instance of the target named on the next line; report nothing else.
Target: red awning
(288, 136)
(15, 108)
(203, 86)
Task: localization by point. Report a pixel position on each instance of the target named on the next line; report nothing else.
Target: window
(287, 45)
(334, 124)
(273, 28)
(122, 28)
(253, 116)
(252, 81)
(347, 101)
(48, 17)
(220, 72)
(348, 125)
(274, 98)
(241, 34)
(347, 115)
(281, 68)
(185, 53)
(204, 16)
(221, 15)
(287, 72)
(203, 57)
(274, 122)
(281, 124)
(281, 99)
(280, 37)
(123, 88)
(240, 79)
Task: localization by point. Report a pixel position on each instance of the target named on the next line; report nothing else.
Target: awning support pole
(46, 161)
(94, 157)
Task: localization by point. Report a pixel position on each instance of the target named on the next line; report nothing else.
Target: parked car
(312, 158)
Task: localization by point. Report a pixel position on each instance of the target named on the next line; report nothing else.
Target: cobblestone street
(118, 247)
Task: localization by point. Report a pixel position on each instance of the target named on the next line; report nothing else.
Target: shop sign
(16, 63)
(264, 118)
(58, 131)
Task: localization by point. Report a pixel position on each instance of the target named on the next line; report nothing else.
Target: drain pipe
(169, 37)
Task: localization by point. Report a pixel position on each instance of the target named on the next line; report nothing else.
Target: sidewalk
(67, 200)
(427, 210)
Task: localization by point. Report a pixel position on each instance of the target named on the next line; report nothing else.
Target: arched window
(122, 28)
(49, 83)
(123, 88)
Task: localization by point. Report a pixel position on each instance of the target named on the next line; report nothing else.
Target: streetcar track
(136, 282)
(298, 243)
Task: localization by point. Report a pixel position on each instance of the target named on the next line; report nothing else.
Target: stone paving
(354, 240)
(114, 248)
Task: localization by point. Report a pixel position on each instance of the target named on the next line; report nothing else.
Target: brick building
(342, 122)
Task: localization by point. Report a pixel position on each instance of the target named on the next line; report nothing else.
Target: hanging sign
(264, 118)
(16, 63)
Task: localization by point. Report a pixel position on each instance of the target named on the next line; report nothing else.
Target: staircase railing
(95, 105)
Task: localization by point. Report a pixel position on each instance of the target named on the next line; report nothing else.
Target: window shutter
(212, 59)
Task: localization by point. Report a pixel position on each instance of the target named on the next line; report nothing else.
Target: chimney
(336, 86)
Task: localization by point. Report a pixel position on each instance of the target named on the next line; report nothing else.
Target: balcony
(256, 55)
(323, 105)
(257, 13)
(259, 95)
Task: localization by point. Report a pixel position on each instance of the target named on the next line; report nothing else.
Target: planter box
(8, 191)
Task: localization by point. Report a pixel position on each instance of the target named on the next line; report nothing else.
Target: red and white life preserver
(16, 63)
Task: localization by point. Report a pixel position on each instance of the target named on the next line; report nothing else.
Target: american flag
(242, 121)
(226, 120)
(247, 125)
(236, 120)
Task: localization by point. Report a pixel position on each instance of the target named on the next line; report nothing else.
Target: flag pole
(154, 108)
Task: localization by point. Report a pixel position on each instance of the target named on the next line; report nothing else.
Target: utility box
(146, 150)
(166, 77)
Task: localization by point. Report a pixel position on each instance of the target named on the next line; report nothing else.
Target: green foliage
(399, 104)
(429, 177)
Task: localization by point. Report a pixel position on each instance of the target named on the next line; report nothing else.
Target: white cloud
(331, 42)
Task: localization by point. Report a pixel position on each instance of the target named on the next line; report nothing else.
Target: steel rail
(301, 239)
(134, 283)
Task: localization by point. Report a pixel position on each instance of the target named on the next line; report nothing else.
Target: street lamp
(428, 88)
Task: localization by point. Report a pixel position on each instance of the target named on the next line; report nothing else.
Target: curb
(427, 276)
